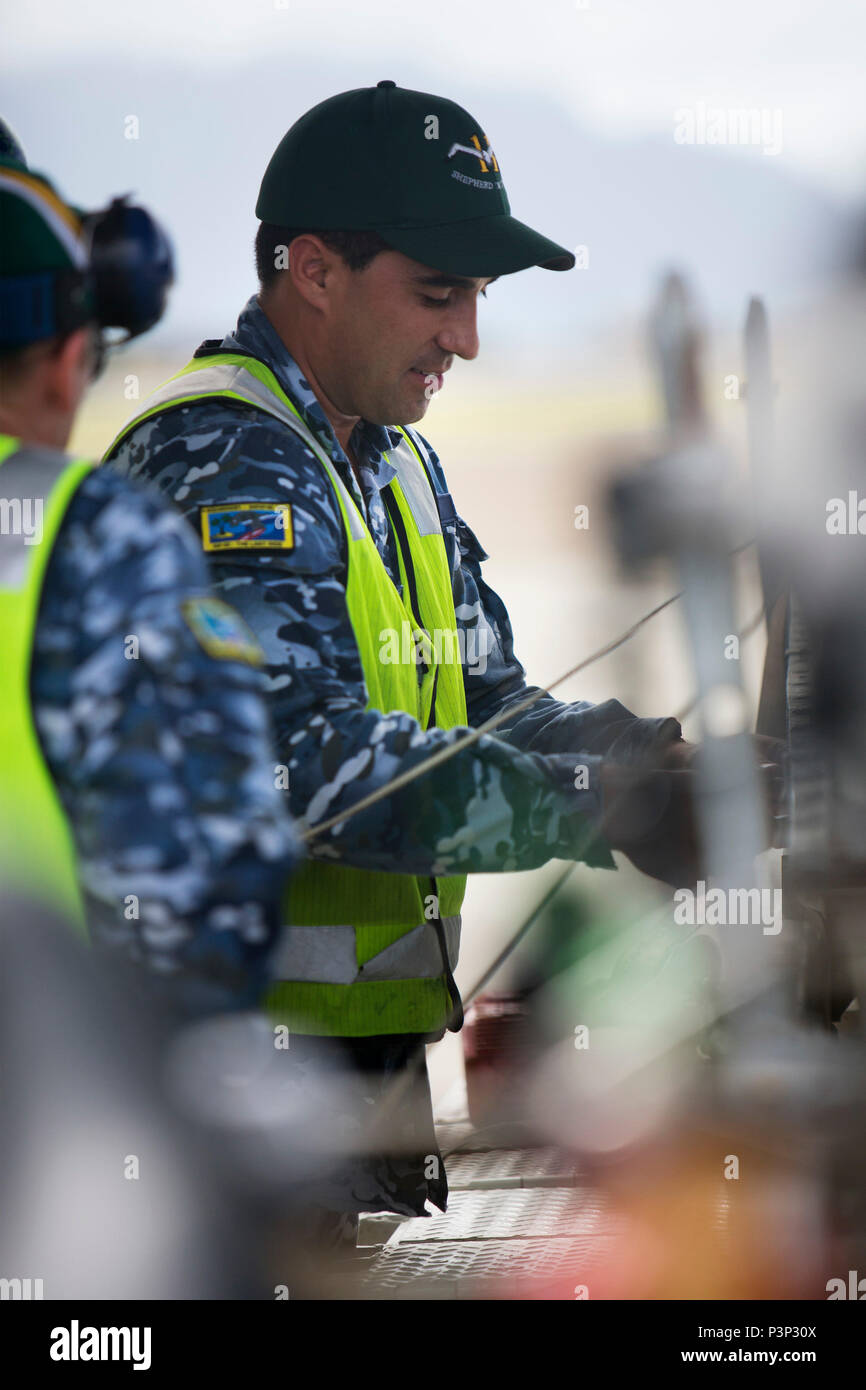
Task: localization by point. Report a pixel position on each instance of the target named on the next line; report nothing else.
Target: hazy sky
(621, 65)
(580, 101)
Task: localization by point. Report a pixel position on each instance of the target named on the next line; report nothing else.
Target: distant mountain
(738, 221)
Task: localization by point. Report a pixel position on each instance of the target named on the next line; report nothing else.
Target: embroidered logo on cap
(482, 152)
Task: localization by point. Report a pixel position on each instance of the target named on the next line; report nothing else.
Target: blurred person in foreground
(137, 783)
(328, 521)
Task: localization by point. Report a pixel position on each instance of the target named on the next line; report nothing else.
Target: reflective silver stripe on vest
(326, 955)
(27, 479)
(416, 489)
(212, 381)
(222, 377)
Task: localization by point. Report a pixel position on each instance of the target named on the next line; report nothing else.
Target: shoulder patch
(221, 631)
(248, 526)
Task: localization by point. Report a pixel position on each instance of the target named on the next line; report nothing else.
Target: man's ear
(68, 370)
(311, 264)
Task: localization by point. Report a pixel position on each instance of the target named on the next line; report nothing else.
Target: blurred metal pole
(686, 507)
(759, 430)
(730, 799)
(771, 718)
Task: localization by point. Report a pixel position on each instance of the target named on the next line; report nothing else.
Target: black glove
(650, 816)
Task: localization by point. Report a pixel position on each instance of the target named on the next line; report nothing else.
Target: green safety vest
(364, 952)
(37, 853)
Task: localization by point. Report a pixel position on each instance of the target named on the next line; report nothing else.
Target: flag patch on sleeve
(221, 631)
(248, 526)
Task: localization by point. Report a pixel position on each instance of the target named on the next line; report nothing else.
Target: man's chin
(406, 412)
(403, 407)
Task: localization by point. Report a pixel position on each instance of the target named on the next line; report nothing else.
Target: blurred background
(601, 114)
(587, 105)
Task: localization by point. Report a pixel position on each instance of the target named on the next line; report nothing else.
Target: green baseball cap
(415, 168)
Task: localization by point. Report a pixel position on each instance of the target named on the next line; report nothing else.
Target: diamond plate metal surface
(463, 1135)
(526, 1166)
(554, 1213)
(518, 1226)
(502, 1269)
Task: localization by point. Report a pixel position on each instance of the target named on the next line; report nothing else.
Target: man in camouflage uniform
(357, 327)
(144, 691)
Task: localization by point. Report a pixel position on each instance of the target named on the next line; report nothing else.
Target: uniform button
(386, 83)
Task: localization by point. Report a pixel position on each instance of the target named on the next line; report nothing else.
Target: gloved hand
(649, 815)
(771, 756)
(679, 755)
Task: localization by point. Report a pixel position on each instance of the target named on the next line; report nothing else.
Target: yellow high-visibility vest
(364, 952)
(37, 853)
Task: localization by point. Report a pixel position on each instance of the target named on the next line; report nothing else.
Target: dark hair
(16, 363)
(357, 249)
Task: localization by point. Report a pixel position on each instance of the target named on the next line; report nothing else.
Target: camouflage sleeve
(495, 679)
(490, 807)
(152, 723)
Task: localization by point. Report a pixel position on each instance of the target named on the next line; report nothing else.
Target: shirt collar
(256, 334)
